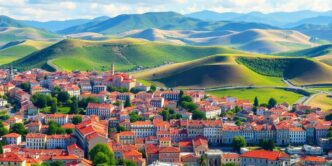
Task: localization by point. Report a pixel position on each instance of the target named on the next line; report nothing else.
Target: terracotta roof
(35, 135)
(11, 135)
(264, 154)
(11, 157)
(314, 159)
(169, 150)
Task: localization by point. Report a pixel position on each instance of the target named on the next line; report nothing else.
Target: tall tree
(127, 102)
(272, 102)
(98, 153)
(18, 128)
(239, 142)
(256, 103)
(74, 106)
(77, 119)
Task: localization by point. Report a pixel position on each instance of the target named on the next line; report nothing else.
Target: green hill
(9, 34)
(9, 22)
(212, 71)
(126, 54)
(301, 71)
(239, 70)
(160, 20)
(17, 50)
(253, 40)
(311, 52)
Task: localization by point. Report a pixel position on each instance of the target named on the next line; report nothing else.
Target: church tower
(113, 69)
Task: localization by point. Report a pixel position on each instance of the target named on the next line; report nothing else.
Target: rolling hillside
(253, 40)
(10, 34)
(160, 20)
(16, 50)
(9, 22)
(300, 71)
(127, 54)
(239, 70)
(212, 71)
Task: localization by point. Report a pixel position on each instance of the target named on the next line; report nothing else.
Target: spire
(113, 69)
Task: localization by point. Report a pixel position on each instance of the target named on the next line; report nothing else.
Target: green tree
(3, 130)
(120, 128)
(256, 103)
(198, 115)
(54, 107)
(271, 103)
(18, 128)
(55, 128)
(328, 117)
(26, 86)
(98, 153)
(57, 163)
(63, 96)
(74, 106)
(69, 131)
(238, 142)
(83, 103)
(134, 117)
(77, 119)
(270, 145)
(127, 102)
(203, 160)
(153, 88)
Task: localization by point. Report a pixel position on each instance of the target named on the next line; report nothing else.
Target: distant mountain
(254, 40)
(320, 20)
(317, 31)
(54, 26)
(9, 22)
(311, 52)
(160, 20)
(9, 34)
(276, 19)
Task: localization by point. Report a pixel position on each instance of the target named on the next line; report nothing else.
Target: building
(264, 158)
(200, 145)
(314, 161)
(169, 154)
(125, 137)
(297, 136)
(99, 88)
(61, 119)
(35, 141)
(12, 159)
(103, 111)
(12, 138)
(143, 129)
(157, 102)
(57, 141)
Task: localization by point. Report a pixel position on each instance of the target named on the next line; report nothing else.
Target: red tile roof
(264, 154)
(314, 159)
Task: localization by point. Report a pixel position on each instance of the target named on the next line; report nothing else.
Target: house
(73, 90)
(169, 154)
(143, 128)
(61, 119)
(8, 159)
(73, 149)
(12, 138)
(125, 137)
(157, 102)
(57, 141)
(152, 153)
(264, 158)
(230, 158)
(165, 142)
(190, 159)
(297, 136)
(103, 111)
(314, 161)
(99, 88)
(36, 141)
(200, 145)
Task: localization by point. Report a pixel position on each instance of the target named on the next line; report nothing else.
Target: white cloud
(66, 9)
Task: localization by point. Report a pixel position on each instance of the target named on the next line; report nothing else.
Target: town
(109, 118)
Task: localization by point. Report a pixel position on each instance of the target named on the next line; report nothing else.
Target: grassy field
(126, 54)
(263, 94)
(212, 71)
(322, 101)
(21, 50)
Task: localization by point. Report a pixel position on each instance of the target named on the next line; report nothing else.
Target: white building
(12, 138)
(297, 136)
(103, 111)
(57, 141)
(35, 141)
(61, 119)
(143, 129)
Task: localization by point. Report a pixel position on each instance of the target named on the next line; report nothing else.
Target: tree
(120, 128)
(85, 101)
(57, 163)
(270, 144)
(55, 128)
(328, 117)
(134, 117)
(271, 103)
(203, 160)
(100, 158)
(26, 86)
(54, 107)
(18, 128)
(256, 103)
(238, 142)
(127, 102)
(63, 96)
(69, 131)
(74, 106)
(153, 88)
(198, 115)
(77, 119)
(3, 130)
(98, 153)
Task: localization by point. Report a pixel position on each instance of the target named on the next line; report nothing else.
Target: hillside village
(91, 118)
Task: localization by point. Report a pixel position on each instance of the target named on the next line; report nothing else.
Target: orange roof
(10, 157)
(11, 135)
(68, 126)
(169, 150)
(126, 133)
(315, 159)
(230, 155)
(35, 135)
(264, 154)
(185, 143)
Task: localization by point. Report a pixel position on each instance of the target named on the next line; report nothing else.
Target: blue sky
(68, 9)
